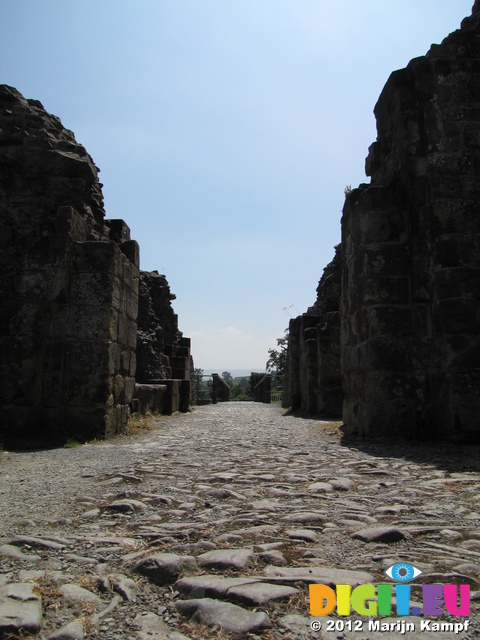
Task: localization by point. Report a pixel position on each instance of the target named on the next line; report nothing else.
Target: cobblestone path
(215, 522)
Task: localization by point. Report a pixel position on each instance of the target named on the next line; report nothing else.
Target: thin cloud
(225, 347)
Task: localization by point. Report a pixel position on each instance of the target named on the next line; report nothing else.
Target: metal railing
(216, 389)
(269, 389)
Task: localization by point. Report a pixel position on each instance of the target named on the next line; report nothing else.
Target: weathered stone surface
(152, 627)
(165, 568)
(273, 556)
(302, 534)
(259, 593)
(397, 316)
(321, 575)
(305, 517)
(125, 586)
(71, 631)
(313, 382)
(12, 551)
(20, 608)
(235, 559)
(210, 586)
(163, 354)
(76, 595)
(69, 291)
(229, 617)
(39, 543)
(69, 287)
(321, 487)
(379, 534)
(127, 506)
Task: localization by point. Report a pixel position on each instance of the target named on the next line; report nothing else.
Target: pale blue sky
(226, 132)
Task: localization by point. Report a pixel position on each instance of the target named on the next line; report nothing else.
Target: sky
(226, 132)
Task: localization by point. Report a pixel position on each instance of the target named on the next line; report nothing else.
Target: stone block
(457, 282)
(96, 257)
(387, 290)
(150, 397)
(68, 164)
(173, 402)
(52, 395)
(87, 390)
(384, 260)
(131, 305)
(31, 286)
(129, 389)
(94, 289)
(130, 274)
(31, 319)
(455, 250)
(118, 230)
(131, 251)
(119, 389)
(390, 320)
(127, 332)
(385, 353)
(85, 357)
(453, 215)
(133, 364)
(458, 315)
(91, 322)
(461, 353)
(71, 222)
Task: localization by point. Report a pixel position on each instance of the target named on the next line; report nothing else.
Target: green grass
(71, 444)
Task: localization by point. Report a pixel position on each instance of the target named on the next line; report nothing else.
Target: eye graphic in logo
(402, 572)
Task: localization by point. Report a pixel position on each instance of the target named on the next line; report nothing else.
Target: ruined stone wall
(164, 363)
(68, 286)
(411, 254)
(313, 381)
(409, 262)
(157, 328)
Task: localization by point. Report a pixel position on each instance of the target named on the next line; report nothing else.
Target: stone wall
(411, 254)
(410, 258)
(163, 353)
(69, 284)
(313, 382)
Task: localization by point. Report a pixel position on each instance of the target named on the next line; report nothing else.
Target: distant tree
(236, 392)
(242, 382)
(227, 376)
(239, 388)
(198, 384)
(277, 358)
(253, 380)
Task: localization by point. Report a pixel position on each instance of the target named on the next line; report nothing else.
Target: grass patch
(138, 423)
(198, 631)
(71, 443)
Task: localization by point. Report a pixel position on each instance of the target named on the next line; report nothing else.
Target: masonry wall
(313, 383)
(164, 363)
(410, 301)
(68, 287)
(409, 294)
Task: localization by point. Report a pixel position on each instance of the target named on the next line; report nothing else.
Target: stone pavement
(215, 522)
